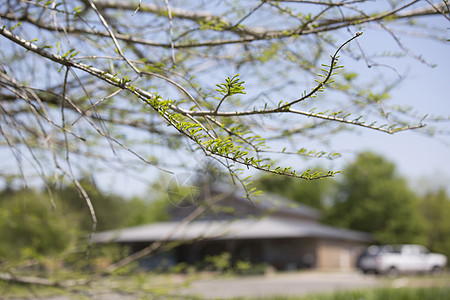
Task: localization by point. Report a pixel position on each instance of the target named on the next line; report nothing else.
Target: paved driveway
(286, 284)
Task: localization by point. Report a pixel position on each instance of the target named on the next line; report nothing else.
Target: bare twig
(111, 34)
(172, 45)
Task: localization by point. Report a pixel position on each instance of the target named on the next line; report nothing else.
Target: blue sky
(423, 159)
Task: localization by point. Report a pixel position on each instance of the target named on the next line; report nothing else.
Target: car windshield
(374, 250)
(397, 249)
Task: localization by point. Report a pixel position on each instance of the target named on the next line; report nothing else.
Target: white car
(394, 259)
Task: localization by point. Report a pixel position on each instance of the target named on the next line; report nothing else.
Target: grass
(151, 286)
(433, 293)
(387, 294)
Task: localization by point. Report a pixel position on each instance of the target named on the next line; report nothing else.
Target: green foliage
(372, 198)
(144, 212)
(212, 24)
(230, 142)
(247, 268)
(100, 257)
(435, 208)
(350, 76)
(224, 264)
(110, 210)
(232, 86)
(31, 228)
(220, 263)
(380, 294)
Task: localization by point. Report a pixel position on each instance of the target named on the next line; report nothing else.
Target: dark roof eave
(266, 228)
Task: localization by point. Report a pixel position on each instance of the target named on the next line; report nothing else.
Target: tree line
(34, 225)
(368, 196)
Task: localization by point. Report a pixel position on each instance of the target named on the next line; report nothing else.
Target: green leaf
(15, 26)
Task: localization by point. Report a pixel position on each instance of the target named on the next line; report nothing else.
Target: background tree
(31, 228)
(110, 209)
(142, 211)
(373, 198)
(435, 207)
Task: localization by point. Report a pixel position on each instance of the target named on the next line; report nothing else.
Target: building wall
(283, 254)
(337, 254)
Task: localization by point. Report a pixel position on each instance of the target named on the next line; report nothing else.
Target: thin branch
(8, 277)
(144, 95)
(354, 122)
(441, 9)
(111, 34)
(252, 11)
(252, 34)
(137, 8)
(327, 78)
(172, 45)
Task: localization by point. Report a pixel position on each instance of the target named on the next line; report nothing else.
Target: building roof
(268, 201)
(235, 198)
(271, 217)
(249, 228)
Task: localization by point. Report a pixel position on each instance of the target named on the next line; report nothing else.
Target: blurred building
(272, 230)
